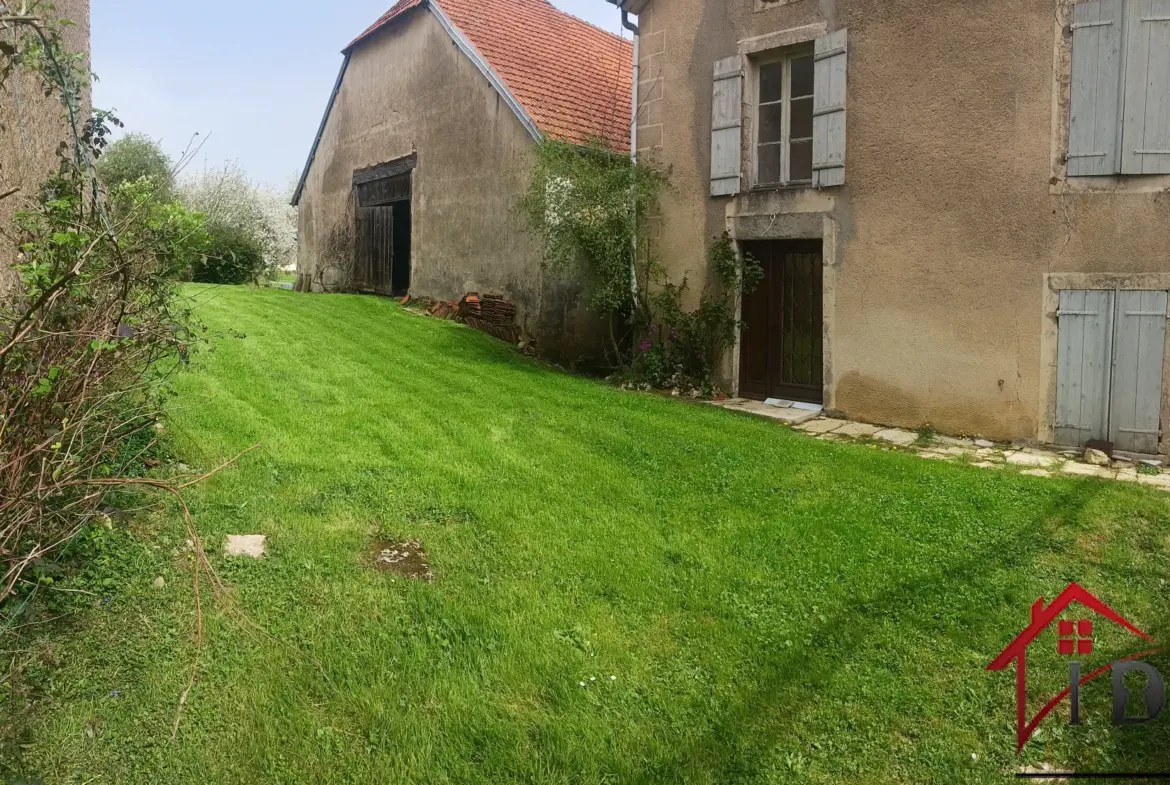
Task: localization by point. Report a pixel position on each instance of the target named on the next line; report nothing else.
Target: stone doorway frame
(816, 225)
(1053, 284)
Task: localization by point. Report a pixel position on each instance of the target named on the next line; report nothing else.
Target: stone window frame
(763, 49)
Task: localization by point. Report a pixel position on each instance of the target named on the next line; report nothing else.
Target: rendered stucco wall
(410, 90)
(955, 210)
(31, 130)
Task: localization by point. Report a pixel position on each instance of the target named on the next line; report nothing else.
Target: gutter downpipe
(633, 28)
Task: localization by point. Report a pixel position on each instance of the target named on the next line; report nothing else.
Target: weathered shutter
(1084, 348)
(1136, 411)
(832, 61)
(1146, 142)
(726, 126)
(1096, 86)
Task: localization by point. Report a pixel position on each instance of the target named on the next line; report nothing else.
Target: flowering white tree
(229, 198)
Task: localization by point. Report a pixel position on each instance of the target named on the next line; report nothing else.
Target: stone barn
(426, 145)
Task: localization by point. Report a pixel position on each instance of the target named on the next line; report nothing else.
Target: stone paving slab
(951, 441)
(1027, 458)
(821, 425)
(1085, 470)
(897, 436)
(1157, 480)
(984, 454)
(783, 414)
(857, 430)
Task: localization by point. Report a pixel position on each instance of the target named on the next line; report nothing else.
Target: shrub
(681, 347)
(180, 236)
(134, 157)
(90, 331)
(233, 256)
(228, 198)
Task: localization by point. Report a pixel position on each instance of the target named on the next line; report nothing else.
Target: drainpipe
(633, 28)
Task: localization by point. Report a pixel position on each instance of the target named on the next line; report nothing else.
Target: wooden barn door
(781, 347)
(374, 257)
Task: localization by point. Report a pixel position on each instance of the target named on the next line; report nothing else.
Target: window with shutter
(1119, 113)
(726, 126)
(828, 148)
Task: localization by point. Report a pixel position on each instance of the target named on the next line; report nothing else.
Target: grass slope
(742, 603)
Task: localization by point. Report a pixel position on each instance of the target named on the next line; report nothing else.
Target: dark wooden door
(781, 347)
(374, 251)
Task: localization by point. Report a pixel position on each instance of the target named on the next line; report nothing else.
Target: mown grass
(742, 603)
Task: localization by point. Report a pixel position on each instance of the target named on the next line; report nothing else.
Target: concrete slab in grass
(251, 545)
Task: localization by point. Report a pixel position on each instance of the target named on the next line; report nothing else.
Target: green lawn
(742, 604)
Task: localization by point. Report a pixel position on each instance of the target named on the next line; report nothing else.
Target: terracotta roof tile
(573, 79)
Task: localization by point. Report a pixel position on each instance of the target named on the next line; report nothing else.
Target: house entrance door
(781, 346)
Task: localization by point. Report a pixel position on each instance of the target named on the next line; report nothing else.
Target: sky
(251, 77)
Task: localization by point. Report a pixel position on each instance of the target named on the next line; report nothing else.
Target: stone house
(962, 209)
(31, 129)
(426, 145)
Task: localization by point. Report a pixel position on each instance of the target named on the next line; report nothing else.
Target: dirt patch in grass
(407, 558)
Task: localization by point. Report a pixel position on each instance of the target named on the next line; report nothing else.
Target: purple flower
(645, 345)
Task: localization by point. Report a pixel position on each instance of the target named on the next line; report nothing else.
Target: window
(784, 120)
(1120, 88)
(797, 97)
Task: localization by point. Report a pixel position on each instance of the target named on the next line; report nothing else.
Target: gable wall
(409, 89)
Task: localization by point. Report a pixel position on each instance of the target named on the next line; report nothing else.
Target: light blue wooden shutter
(727, 126)
(830, 78)
(1083, 355)
(1136, 411)
(1094, 121)
(1146, 142)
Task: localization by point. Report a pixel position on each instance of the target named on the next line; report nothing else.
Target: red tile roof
(573, 79)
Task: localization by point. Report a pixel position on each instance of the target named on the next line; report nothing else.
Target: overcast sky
(254, 74)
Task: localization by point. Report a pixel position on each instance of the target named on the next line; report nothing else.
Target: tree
(133, 157)
(229, 199)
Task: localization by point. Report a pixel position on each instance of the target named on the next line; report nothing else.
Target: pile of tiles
(491, 314)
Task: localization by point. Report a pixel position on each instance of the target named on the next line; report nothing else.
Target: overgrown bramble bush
(91, 330)
(586, 205)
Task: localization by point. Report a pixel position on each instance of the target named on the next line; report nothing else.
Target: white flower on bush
(228, 197)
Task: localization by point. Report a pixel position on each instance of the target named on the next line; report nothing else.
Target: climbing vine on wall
(590, 206)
